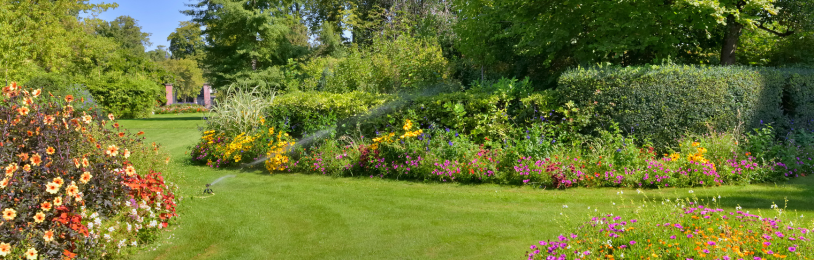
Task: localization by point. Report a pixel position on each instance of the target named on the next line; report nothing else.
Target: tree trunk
(731, 39)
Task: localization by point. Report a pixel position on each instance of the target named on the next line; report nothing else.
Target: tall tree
(248, 40)
(42, 35)
(781, 18)
(186, 76)
(126, 31)
(187, 41)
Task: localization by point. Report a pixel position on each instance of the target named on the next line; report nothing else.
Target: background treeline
(385, 46)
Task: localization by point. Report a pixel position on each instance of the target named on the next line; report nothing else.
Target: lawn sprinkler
(208, 190)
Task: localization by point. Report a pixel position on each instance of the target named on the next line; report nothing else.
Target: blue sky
(158, 17)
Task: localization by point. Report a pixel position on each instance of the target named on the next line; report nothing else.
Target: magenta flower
(711, 243)
(792, 249)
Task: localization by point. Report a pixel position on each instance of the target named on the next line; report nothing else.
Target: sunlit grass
(293, 216)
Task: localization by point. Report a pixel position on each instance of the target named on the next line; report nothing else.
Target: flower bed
(181, 109)
(74, 184)
(683, 229)
(611, 160)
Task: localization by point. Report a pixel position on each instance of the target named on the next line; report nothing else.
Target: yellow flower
(675, 156)
(39, 217)
(694, 144)
(31, 254)
(5, 249)
(9, 214)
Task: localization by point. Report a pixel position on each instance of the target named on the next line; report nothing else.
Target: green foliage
(187, 77)
(663, 102)
(309, 112)
(126, 32)
(49, 83)
(246, 42)
(126, 97)
(186, 42)
(387, 66)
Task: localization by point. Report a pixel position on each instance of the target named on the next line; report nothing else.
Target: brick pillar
(170, 98)
(207, 92)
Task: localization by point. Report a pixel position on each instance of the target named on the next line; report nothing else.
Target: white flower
(738, 207)
(134, 243)
(129, 227)
(565, 206)
(691, 191)
(90, 225)
(713, 199)
(127, 203)
(638, 191)
(107, 236)
(774, 206)
(111, 229)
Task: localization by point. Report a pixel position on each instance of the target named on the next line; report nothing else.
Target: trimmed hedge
(490, 111)
(664, 102)
(308, 112)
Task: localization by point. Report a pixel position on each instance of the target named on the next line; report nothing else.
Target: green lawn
(255, 215)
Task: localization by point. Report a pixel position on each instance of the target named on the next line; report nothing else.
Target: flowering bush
(218, 149)
(683, 229)
(181, 109)
(75, 184)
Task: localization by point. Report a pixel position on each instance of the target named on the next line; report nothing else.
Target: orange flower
(36, 93)
(28, 101)
(130, 170)
(4, 183)
(116, 125)
(50, 150)
(58, 201)
(85, 162)
(121, 134)
(87, 119)
(23, 156)
(85, 177)
(126, 153)
(23, 111)
(36, 159)
(31, 254)
(59, 181)
(10, 169)
(111, 117)
(67, 254)
(72, 190)
(45, 206)
(76, 162)
(27, 168)
(112, 150)
(9, 214)
(39, 217)
(69, 98)
(48, 120)
(48, 236)
(140, 133)
(5, 249)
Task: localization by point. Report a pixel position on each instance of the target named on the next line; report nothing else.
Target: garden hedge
(304, 112)
(664, 102)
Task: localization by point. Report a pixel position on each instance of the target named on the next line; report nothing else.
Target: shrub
(308, 112)
(682, 228)
(238, 111)
(663, 102)
(126, 97)
(387, 66)
(75, 184)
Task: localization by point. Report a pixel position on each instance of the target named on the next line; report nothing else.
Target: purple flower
(711, 243)
(673, 237)
(632, 243)
(792, 249)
